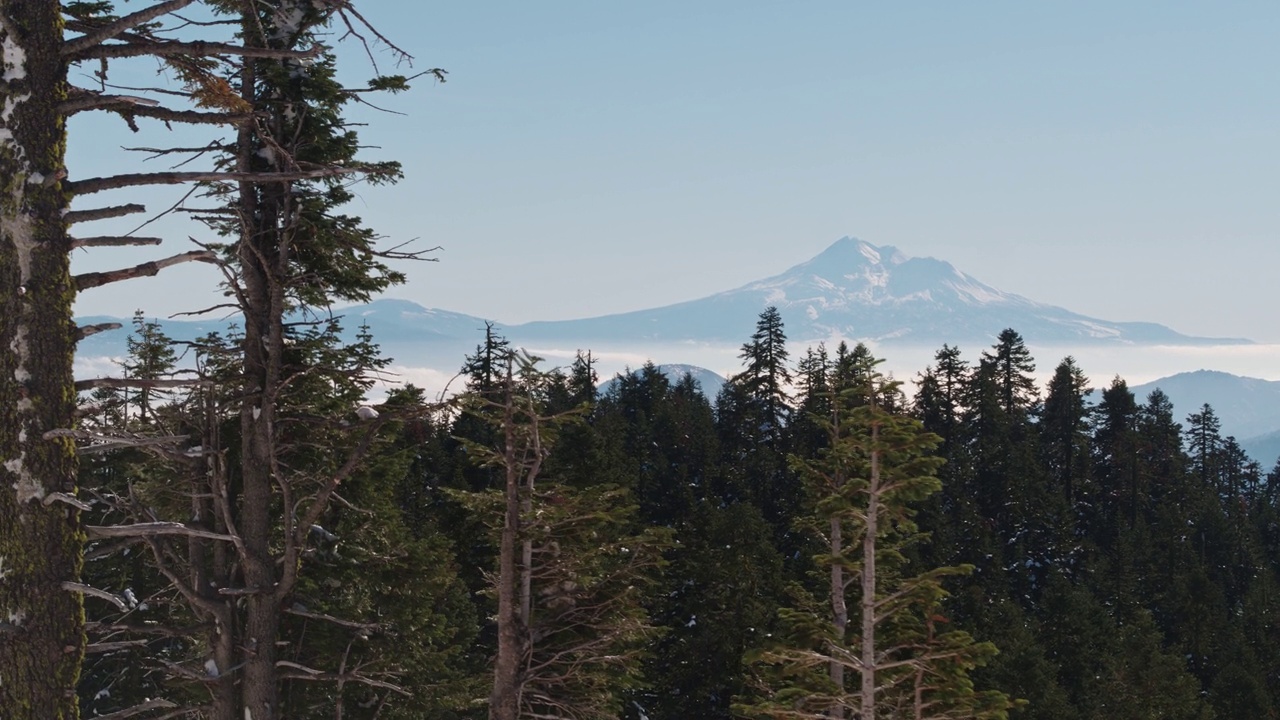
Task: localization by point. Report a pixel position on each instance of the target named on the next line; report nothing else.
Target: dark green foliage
(1122, 567)
(874, 641)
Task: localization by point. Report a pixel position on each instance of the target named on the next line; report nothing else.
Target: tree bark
(41, 624)
(504, 701)
(868, 656)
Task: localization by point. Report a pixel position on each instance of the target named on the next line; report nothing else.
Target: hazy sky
(1119, 159)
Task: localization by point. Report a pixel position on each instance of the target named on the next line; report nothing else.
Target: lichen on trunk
(42, 638)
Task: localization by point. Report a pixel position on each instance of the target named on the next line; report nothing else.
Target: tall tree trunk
(839, 606)
(262, 266)
(41, 624)
(868, 655)
(504, 701)
(839, 611)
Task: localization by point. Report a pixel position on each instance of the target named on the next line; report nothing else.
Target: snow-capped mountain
(857, 290)
(852, 290)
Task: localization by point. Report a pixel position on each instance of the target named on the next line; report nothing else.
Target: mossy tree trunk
(41, 623)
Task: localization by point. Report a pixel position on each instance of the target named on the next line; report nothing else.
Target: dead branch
(112, 241)
(95, 592)
(153, 529)
(154, 704)
(198, 48)
(206, 311)
(344, 9)
(106, 647)
(94, 185)
(85, 331)
(146, 384)
(332, 619)
(131, 440)
(124, 24)
(147, 269)
(75, 502)
(190, 117)
(78, 216)
(105, 628)
(181, 201)
(209, 211)
(97, 101)
(302, 672)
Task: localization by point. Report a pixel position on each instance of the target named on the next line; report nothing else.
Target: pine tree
(571, 573)
(1064, 431)
(889, 656)
(752, 412)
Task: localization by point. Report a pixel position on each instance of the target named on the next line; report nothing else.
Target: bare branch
(106, 647)
(331, 619)
(124, 24)
(197, 48)
(97, 101)
(85, 589)
(191, 117)
(153, 529)
(302, 672)
(133, 440)
(154, 704)
(93, 185)
(147, 269)
(112, 241)
(205, 311)
(401, 56)
(75, 502)
(135, 383)
(85, 331)
(78, 216)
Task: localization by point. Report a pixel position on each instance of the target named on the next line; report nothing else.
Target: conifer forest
(244, 527)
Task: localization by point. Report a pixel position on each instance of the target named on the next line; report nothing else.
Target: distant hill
(709, 381)
(1247, 407)
(1264, 448)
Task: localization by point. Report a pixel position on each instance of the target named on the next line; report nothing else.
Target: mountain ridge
(858, 291)
(853, 290)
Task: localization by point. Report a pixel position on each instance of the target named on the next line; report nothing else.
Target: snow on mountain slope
(857, 290)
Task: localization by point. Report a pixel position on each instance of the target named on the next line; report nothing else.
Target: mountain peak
(850, 252)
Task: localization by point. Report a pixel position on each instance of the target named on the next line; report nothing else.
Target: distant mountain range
(1248, 408)
(857, 290)
(852, 290)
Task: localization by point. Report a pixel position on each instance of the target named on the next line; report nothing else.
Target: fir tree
(890, 655)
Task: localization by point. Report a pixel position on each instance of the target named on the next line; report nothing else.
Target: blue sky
(1118, 159)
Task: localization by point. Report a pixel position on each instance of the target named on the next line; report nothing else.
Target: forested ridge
(234, 528)
(1120, 560)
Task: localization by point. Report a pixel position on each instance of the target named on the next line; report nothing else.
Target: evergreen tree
(752, 413)
(571, 573)
(1064, 431)
(766, 376)
(724, 585)
(887, 657)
